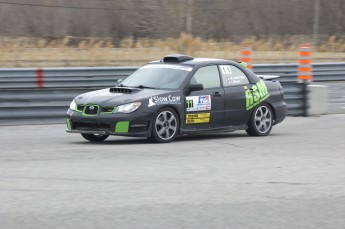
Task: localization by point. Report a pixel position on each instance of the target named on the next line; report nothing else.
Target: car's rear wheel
(261, 121)
(95, 137)
(165, 126)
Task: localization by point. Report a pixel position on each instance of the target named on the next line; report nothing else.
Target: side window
(232, 76)
(208, 76)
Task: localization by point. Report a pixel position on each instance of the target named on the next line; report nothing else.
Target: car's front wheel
(95, 137)
(165, 126)
(260, 124)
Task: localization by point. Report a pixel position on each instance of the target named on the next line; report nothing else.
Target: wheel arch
(270, 106)
(253, 129)
(273, 111)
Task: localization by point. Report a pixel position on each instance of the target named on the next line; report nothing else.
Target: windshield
(158, 76)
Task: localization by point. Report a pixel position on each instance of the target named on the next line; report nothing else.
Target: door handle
(217, 93)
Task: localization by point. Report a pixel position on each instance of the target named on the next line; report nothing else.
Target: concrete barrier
(317, 99)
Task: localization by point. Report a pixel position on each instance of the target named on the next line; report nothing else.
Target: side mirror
(196, 87)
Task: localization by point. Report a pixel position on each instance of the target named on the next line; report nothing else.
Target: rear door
(235, 84)
(205, 108)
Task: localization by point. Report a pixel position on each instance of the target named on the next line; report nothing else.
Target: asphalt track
(294, 178)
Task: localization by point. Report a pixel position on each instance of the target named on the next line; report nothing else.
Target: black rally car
(180, 95)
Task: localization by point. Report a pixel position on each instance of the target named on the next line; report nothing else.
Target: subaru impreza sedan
(180, 95)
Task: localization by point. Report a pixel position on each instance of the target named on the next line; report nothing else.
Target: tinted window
(232, 76)
(208, 76)
(160, 76)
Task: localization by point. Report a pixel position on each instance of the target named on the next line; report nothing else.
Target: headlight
(73, 106)
(127, 108)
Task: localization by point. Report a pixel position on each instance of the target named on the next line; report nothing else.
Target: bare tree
(217, 19)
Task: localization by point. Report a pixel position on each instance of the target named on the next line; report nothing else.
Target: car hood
(119, 96)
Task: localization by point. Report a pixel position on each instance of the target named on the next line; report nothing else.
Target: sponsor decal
(184, 68)
(198, 103)
(177, 67)
(256, 94)
(225, 69)
(197, 118)
(204, 99)
(170, 99)
(235, 79)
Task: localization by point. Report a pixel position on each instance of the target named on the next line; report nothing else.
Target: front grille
(91, 110)
(102, 109)
(80, 107)
(107, 109)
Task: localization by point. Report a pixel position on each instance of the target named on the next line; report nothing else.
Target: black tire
(95, 137)
(261, 121)
(165, 126)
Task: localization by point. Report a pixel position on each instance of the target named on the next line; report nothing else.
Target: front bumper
(102, 132)
(132, 124)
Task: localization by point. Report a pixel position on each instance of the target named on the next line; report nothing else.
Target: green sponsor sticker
(122, 127)
(256, 94)
(68, 122)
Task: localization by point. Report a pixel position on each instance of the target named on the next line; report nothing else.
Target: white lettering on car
(170, 99)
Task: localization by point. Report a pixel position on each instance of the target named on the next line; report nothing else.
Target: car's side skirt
(216, 129)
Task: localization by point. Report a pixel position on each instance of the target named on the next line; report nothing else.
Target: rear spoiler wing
(267, 77)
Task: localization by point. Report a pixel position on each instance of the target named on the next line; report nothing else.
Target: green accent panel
(122, 127)
(68, 122)
(244, 64)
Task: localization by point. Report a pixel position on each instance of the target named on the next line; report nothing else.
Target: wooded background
(219, 19)
(47, 33)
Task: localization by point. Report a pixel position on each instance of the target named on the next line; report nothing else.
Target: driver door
(205, 108)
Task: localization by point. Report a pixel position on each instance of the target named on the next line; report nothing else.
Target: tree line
(218, 19)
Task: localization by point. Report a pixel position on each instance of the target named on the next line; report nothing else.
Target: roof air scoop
(177, 58)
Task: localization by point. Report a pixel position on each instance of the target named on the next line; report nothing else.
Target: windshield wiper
(142, 87)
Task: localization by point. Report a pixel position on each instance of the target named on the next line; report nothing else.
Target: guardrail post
(39, 77)
(305, 99)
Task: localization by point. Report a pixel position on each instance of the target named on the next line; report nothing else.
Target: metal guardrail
(295, 97)
(288, 72)
(30, 95)
(88, 77)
